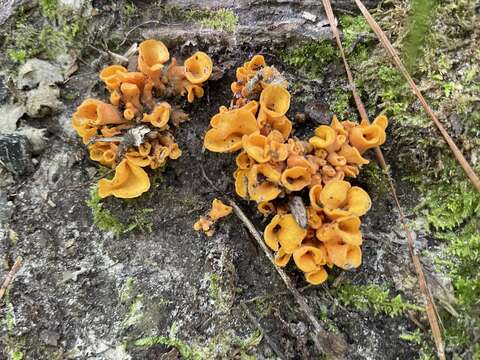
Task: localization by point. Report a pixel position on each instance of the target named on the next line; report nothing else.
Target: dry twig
(430, 304)
(10, 276)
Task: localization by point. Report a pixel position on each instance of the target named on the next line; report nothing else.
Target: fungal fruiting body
(273, 167)
(133, 131)
(218, 211)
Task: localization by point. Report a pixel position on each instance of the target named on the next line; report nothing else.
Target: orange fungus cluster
(131, 132)
(218, 211)
(279, 172)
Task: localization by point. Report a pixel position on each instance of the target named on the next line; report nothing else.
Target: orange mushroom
(227, 135)
(282, 258)
(96, 113)
(274, 101)
(317, 276)
(296, 178)
(198, 68)
(152, 54)
(110, 76)
(343, 255)
(219, 210)
(130, 181)
(159, 116)
(307, 258)
(284, 231)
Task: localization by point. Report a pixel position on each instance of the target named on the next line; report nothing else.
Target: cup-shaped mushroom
(251, 106)
(338, 126)
(219, 210)
(302, 161)
(358, 201)
(283, 230)
(314, 195)
(227, 135)
(110, 76)
(296, 178)
(265, 208)
(352, 155)
(138, 159)
(159, 156)
(241, 182)
(264, 191)
(152, 54)
(278, 151)
(381, 121)
(327, 233)
(348, 170)
(364, 138)
(198, 68)
(97, 113)
(335, 213)
(147, 94)
(275, 101)
(267, 171)
(131, 94)
(315, 218)
(244, 161)
(256, 63)
(325, 138)
(307, 258)
(243, 74)
(343, 255)
(115, 98)
(159, 116)
(236, 88)
(109, 131)
(257, 147)
(336, 160)
(97, 150)
(109, 156)
(130, 181)
(193, 91)
(135, 78)
(334, 194)
(282, 258)
(283, 125)
(348, 228)
(83, 127)
(145, 148)
(317, 276)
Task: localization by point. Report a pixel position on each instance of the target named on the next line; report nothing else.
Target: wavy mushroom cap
(358, 201)
(325, 137)
(227, 135)
(307, 258)
(344, 256)
(283, 230)
(314, 195)
(283, 125)
(334, 194)
(282, 258)
(219, 210)
(352, 155)
(251, 106)
(336, 159)
(317, 276)
(159, 116)
(152, 54)
(130, 181)
(338, 126)
(296, 178)
(97, 151)
(131, 95)
(364, 138)
(110, 76)
(315, 218)
(96, 113)
(275, 100)
(348, 229)
(134, 77)
(255, 63)
(381, 121)
(198, 67)
(327, 233)
(266, 208)
(241, 182)
(135, 157)
(244, 161)
(257, 147)
(261, 192)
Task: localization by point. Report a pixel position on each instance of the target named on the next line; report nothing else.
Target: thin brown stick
(267, 338)
(430, 307)
(396, 59)
(10, 276)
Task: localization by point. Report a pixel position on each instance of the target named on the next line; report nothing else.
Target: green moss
(219, 292)
(9, 320)
(375, 298)
(126, 291)
(106, 221)
(221, 19)
(311, 57)
(48, 8)
(16, 355)
(373, 176)
(340, 106)
(129, 9)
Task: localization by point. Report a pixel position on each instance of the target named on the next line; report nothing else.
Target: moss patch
(374, 298)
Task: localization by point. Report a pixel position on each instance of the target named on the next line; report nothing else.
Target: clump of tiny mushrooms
(277, 171)
(132, 131)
